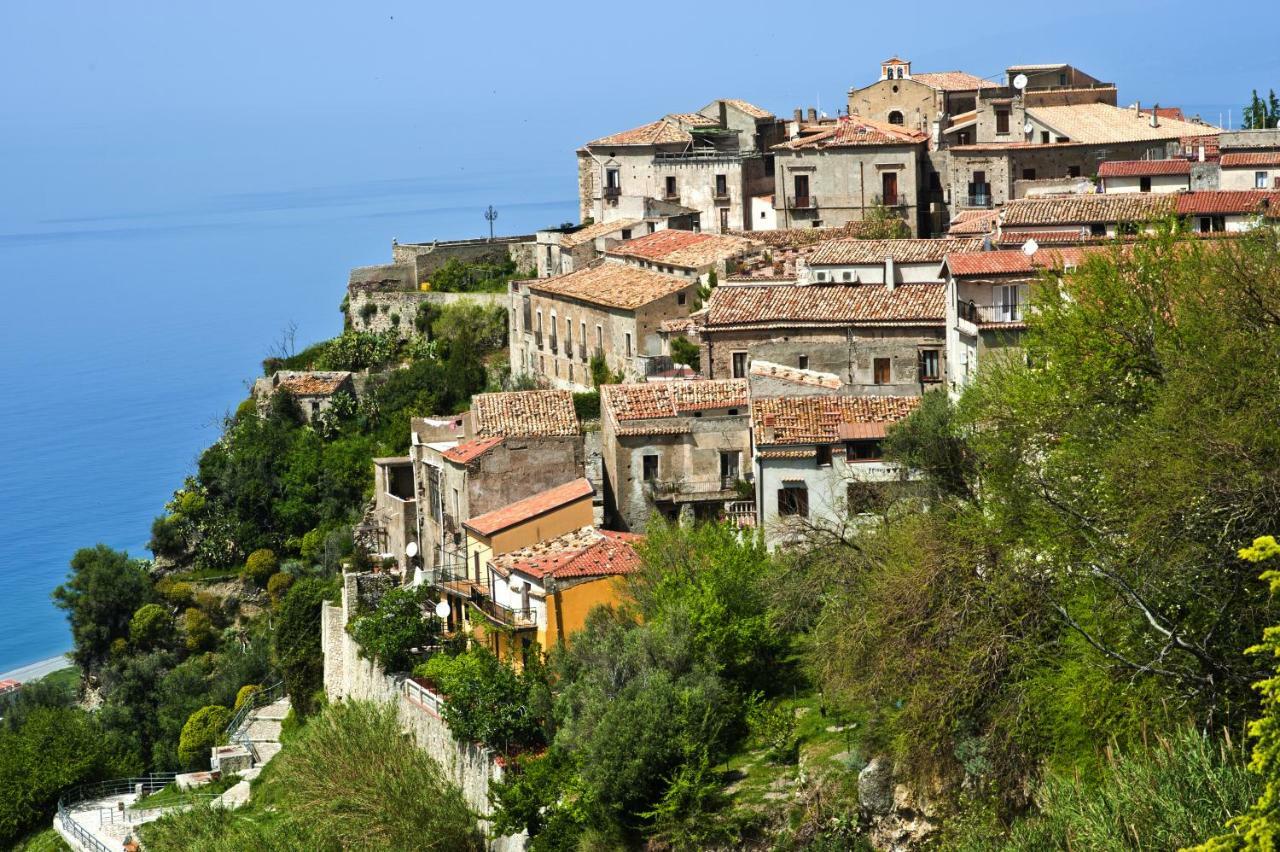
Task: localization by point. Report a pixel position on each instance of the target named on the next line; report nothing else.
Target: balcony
(612, 193)
(673, 197)
(582, 352)
(979, 314)
(741, 513)
(694, 489)
(555, 345)
(537, 339)
(720, 193)
(505, 615)
(803, 202)
(982, 200)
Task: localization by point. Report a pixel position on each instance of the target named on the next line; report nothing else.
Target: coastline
(37, 670)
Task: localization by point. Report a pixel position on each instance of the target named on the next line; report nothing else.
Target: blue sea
(138, 305)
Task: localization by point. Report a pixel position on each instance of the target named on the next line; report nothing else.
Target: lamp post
(491, 215)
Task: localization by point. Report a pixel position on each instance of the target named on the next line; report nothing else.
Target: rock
(875, 786)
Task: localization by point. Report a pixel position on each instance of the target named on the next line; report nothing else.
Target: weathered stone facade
(397, 310)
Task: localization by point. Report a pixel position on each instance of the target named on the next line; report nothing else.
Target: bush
(488, 700)
(246, 692)
(204, 729)
(685, 352)
(367, 311)
(295, 643)
(198, 627)
(259, 567)
(176, 593)
(278, 585)
(166, 537)
(395, 627)
(587, 405)
(150, 626)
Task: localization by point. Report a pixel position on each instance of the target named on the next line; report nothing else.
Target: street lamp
(491, 215)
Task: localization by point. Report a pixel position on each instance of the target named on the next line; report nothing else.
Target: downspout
(862, 191)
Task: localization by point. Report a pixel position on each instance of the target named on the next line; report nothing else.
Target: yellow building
(543, 516)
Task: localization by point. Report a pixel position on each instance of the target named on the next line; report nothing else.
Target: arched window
(895, 117)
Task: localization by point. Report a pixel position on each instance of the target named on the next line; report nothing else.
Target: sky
(124, 106)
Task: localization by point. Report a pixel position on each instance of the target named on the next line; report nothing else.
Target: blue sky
(119, 106)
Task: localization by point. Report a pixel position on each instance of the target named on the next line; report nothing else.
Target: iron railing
(527, 617)
(974, 312)
(979, 200)
(613, 192)
(235, 730)
(143, 784)
(423, 697)
(803, 202)
(537, 339)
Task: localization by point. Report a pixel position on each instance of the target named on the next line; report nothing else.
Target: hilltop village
(782, 502)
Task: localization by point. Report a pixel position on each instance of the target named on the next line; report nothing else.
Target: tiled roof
(749, 108)
(814, 378)
(1251, 158)
(1191, 144)
(597, 229)
(1143, 168)
(847, 304)
(530, 507)
(854, 131)
(1222, 201)
(673, 399)
(952, 81)
(313, 384)
(1086, 209)
(670, 129)
(1103, 123)
(523, 414)
(680, 325)
(469, 451)
(973, 222)
(980, 264)
(799, 237)
(614, 285)
(823, 419)
(587, 552)
(1043, 66)
(840, 252)
(688, 249)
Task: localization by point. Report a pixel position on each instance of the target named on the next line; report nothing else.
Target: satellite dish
(1030, 247)
(1020, 82)
(411, 549)
(1028, 127)
(442, 609)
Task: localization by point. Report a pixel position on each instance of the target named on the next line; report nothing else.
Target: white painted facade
(1249, 177)
(764, 217)
(827, 488)
(1158, 184)
(886, 271)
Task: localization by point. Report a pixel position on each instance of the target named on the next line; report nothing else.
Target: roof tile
(468, 451)
(612, 284)
(849, 304)
(524, 414)
(1143, 168)
(1250, 158)
(790, 420)
(1224, 201)
(587, 552)
(855, 131)
(529, 508)
(674, 398)
(1087, 209)
(841, 252)
(689, 249)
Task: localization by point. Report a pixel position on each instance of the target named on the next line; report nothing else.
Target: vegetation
(587, 405)
(204, 729)
(101, 595)
(458, 276)
(295, 644)
(259, 567)
(685, 352)
(396, 627)
(1260, 114)
(488, 700)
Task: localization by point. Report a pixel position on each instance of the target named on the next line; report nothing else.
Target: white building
(1121, 176)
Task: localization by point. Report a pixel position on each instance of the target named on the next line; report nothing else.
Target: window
(599, 338)
(724, 218)
(582, 341)
(681, 298)
(722, 186)
(1028, 174)
(729, 469)
(846, 276)
(794, 500)
(739, 365)
(1073, 171)
(626, 233)
(880, 369)
(803, 362)
(1044, 137)
(649, 468)
(889, 188)
(1062, 79)
(930, 362)
(733, 412)
(895, 117)
(979, 190)
(628, 339)
(1260, 180)
(671, 187)
(1002, 122)
(1010, 303)
(1097, 229)
(802, 190)
(475, 560)
(613, 178)
(1144, 184)
(862, 497)
(653, 226)
(822, 276)
(824, 455)
(865, 450)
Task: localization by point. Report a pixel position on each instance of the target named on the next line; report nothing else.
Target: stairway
(259, 732)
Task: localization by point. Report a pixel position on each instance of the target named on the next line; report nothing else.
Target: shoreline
(37, 670)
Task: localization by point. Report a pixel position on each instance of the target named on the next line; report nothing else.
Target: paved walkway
(105, 821)
(263, 728)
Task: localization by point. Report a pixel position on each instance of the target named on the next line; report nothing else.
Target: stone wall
(388, 305)
(426, 258)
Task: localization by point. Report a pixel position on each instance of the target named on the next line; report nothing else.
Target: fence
(261, 698)
(144, 785)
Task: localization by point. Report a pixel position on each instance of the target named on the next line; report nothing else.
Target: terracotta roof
(813, 378)
(800, 237)
(468, 451)
(1143, 168)
(670, 129)
(596, 229)
(673, 399)
(841, 252)
(587, 552)
(1087, 209)
(689, 249)
(1043, 66)
(1252, 158)
(523, 414)
(822, 419)
(313, 384)
(1103, 123)
(1167, 112)
(952, 81)
(529, 508)
(973, 222)
(1221, 201)
(614, 285)
(854, 131)
(749, 108)
(981, 264)
(680, 325)
(845, 304)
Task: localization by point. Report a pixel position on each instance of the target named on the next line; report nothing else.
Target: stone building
(1227, 211)
(610, 308)
(703, 166)
(686, 254)
(880, 261)
(392, 524)
(1078, 217)
(819, 460)
(313, 390)
(1249, 159)
(564, 250)
(768, 379)
(1167, 175)
(837, 172)
(880, 340)
(672, 447)
(922, 102)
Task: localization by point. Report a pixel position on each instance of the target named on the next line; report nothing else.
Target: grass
(44, 840)
(204, 575)
(67, 679)
(171, 796)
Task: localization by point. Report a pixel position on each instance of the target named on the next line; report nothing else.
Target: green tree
(199, 634)
(1261, 114)
(205, 729)
(488, 700)
(102, 592)
(259, 567)
(685, 352)
(295, 643)
(398, 624)
(150, 627)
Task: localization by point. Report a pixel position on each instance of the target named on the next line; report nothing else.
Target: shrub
(488, 700)
(259, 567)
(367, 311)
(685, 352)
(395, 320)
(166, 537)
(204, 730)
(395, 627)
(176, 593)
(150, 626)
(587, 405)
(200, 635)
(295, 643)
(278, 585)
(246, 692)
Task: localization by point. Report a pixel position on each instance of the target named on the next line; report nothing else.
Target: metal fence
(261, 698)
(144, 785)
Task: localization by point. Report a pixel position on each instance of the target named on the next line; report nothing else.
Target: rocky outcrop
(895, 817)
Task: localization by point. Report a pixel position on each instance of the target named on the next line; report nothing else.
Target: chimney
(1137, 108)
(1200, 148)
(1155, 119)
(889, 274)
(799, 115)
(813, 115)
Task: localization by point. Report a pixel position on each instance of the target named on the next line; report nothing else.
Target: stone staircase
(254, 738)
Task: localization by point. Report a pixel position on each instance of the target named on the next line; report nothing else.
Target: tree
(488, 701)
(684, 352)
(1260, 114)
(883, 223)
(295, 643)
(259, 567)
(198, 630)
(395, 627)
(150, 627)
(103, 591)
(205, 729)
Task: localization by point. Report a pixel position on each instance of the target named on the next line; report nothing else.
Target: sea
(133, 321)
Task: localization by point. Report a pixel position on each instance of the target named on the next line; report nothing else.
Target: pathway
(262, 727)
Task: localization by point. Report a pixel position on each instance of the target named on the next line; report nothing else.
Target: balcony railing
(720, 193)
(671, 196)
(980, 200)
(537, 339)
(708, 488)
(527, 617)
(612, 193)
(555, 345)
(976, 313)
(741, 513)
(803, 202)
(582, 352)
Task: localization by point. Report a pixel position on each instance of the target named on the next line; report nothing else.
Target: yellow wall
(566, 519)
(567, 609)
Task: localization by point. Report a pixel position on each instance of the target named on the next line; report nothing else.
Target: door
(802, 190)
(889, 188)
(1010, 310)
(728, 470)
